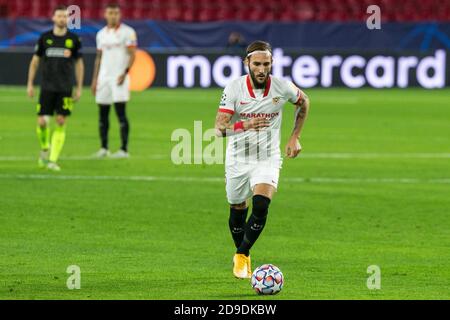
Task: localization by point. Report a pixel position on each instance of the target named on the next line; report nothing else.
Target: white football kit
(254, 157)
(113, 42)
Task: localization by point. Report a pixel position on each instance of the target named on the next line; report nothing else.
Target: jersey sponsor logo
(49, 42)
(243, 103)
(58, 53)
(250, 115)
(112, 46)
(69, 43)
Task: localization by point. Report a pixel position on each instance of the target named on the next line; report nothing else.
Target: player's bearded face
(259, 66)
(112, 16)
(60, 18)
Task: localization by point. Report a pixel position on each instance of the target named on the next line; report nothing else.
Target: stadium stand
(226, 10)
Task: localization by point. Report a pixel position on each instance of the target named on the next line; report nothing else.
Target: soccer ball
(267, 279)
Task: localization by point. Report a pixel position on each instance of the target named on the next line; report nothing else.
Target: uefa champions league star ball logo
(267, 279)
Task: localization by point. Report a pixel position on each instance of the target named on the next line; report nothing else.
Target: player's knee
(104, 111)
(120, 110)
(123, 116)
(60, 120)
(260, 205)
(43, 121)
(123, 120)
(103, 119)
(239, 206)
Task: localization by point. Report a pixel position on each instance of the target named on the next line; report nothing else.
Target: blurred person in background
(57, 52)
(116, 48)
(236, 43)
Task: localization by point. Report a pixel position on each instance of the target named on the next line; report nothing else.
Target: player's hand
(293, 148)
(256, 124)
(94, 87)
(121, 79)
(30, 91)
(77, 94)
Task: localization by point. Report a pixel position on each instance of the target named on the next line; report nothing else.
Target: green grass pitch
(371, 187)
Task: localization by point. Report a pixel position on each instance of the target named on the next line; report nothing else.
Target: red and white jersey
(113, 42)
(244, 102)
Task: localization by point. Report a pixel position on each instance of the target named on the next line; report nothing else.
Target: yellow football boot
(240, 266)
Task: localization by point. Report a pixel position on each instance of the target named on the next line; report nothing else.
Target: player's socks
(255, 223)
(236, 222)
(103, 124)
(44, 137)
(124, 125)
(43, 134)
(58, 137)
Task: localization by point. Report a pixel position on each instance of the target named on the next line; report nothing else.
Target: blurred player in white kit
(116, 47)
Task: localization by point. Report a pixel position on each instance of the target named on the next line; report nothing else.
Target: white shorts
(240, 179)
(108, 91)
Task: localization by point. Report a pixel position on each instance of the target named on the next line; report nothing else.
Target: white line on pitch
(221, 180)
(374, 155)
(108, 178)
(329, 155)
(82, 158)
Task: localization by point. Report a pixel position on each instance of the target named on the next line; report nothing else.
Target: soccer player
(116, 47)
(250, 113)
(58, 53)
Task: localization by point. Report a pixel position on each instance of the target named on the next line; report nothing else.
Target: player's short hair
(258, 45)
(60, 7)
(112, 5)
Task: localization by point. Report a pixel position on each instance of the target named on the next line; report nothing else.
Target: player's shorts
(51, 102)
(108, 91)
(241, 178)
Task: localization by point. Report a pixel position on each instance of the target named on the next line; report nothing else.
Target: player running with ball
(250, 113)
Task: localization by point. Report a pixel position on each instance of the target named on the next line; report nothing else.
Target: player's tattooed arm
(223, 124)
(301, 112)
(98, 59)
(293, 146)
(224, 127)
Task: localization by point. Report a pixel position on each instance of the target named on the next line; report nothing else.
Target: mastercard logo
(142, 72)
